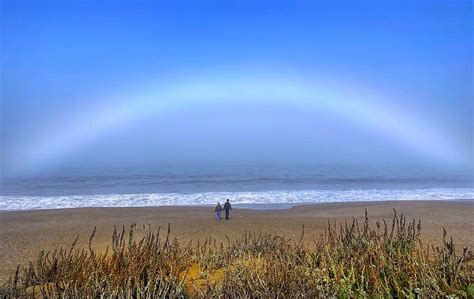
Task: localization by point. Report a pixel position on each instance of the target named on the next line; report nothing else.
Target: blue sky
(134, 83)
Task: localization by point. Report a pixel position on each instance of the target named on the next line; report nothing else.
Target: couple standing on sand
(227, 208)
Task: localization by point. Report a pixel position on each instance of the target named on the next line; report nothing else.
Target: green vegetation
(351, 260)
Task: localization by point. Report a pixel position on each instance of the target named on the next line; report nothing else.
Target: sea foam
(239, 198)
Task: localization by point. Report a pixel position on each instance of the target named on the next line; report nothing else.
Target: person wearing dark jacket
(227, 208)
(218, 210)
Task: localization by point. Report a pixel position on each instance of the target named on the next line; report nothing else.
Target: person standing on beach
(227, 208)
(218, 210)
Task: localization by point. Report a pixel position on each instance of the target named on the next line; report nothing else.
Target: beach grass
(354, 259)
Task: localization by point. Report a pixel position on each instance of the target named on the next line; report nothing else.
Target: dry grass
(350, 260)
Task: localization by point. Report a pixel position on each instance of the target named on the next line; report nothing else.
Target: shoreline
(25, 233)
(250, 206)
(251, 199)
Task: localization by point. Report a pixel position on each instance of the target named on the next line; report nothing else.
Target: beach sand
(23, 234)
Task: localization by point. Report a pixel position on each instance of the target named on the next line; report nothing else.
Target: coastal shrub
(348, 260)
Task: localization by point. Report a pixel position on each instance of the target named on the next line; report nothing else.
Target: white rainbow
(369, 108)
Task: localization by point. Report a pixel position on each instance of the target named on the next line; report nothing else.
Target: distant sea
(246, 186)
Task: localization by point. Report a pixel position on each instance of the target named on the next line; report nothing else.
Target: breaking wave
(247, 199)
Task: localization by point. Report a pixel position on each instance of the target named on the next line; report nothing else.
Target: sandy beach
(23, 234)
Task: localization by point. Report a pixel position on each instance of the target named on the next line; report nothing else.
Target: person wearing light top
(218, 210)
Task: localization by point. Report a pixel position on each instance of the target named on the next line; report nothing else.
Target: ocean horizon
(249, 187)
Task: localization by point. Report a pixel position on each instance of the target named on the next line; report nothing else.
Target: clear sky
(93, 84)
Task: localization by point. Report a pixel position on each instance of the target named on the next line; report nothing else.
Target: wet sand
(23, 234)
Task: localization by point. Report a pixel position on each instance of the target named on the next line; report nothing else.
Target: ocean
(245, 186)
